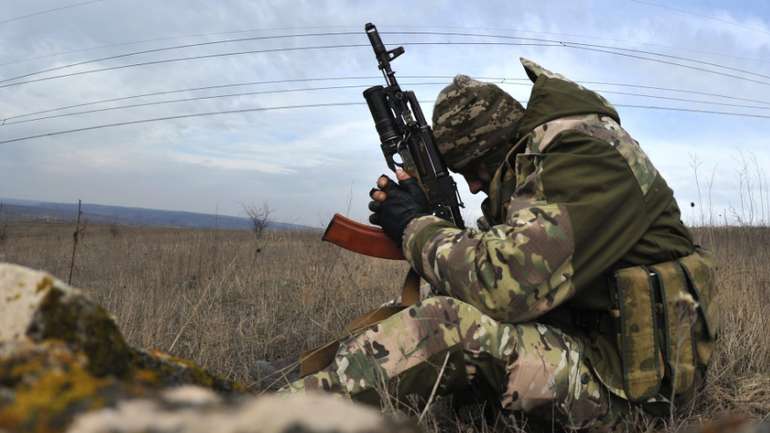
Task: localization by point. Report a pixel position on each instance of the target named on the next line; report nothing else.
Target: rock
(61, 355)
(193, 410)
(38, 307)
(167, 370)
(52, 389)
(65, 366)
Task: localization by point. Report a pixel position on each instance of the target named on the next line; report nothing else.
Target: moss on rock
(62, 355)
(48, 384)
(169, 370)
(85, 327)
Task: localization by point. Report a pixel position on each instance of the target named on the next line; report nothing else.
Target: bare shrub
(114, 230)
(259, 218)
(260, 221)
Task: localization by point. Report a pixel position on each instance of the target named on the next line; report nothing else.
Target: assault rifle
(407, 142)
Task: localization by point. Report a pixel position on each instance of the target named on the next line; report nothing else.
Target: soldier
(581, 292)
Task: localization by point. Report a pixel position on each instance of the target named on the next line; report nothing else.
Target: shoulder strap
(319, 358)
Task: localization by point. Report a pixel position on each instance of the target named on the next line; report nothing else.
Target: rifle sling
(319, 358)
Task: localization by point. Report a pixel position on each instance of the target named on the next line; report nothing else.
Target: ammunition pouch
(667, 324)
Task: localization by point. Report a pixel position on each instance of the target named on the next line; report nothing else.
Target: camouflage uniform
(522, 307)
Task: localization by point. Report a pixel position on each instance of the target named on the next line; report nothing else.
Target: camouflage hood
(474, 120)
(554, 96)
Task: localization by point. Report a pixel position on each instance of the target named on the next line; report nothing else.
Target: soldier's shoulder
(594, 133)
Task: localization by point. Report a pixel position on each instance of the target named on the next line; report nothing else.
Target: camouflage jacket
(574, 199)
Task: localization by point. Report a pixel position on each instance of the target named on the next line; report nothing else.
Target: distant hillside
(97, 213)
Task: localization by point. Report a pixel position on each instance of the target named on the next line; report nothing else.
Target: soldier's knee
(429, 306)
(432, 312)
(546, 367)
(433, 302)
(445, 308)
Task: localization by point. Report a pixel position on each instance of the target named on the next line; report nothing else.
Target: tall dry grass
(202, 295)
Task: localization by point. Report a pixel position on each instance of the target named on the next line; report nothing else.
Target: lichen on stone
(62, 355)
(48, 385)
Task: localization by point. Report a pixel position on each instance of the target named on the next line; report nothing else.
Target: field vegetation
(228, 301)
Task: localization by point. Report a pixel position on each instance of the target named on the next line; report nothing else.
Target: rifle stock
(361, 238)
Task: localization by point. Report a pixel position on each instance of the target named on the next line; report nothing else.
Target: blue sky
(307, 164)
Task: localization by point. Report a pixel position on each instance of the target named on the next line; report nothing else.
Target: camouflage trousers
(444, 344)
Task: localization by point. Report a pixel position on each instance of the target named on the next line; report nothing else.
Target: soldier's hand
(395, 204)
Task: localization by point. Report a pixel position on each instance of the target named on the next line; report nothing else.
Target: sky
(307, 164)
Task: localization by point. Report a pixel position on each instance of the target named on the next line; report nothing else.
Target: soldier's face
(477, 176)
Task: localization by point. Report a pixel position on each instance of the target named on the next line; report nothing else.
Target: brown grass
(202, 295)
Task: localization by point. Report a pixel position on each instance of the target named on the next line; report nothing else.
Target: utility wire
(694, 110)
(180, 116)
(580, 36)
(326, 105)
(349, 86)
(697, 101)
(175, 47)
(669, 89)
(47, 11)
(357, 27)
(501, 80)
(708, 17)
(666, 62)
(324, 47)
(203, 98)
(164, 38)
(194, 89)
(582, 44)
(568, 44)
(183, 59)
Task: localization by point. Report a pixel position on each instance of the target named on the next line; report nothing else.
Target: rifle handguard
(361, 238)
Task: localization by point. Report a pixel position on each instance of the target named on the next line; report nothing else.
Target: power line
(180, 116)
(666, 62)
(164, 38)
(47, 11)
(191, 89)
(696, 101)
(708, 17)
(324, 47)
(502, 80)
(567, 44)
(237, 53)
(589, 37)
(694, 110)
(202, 98)
(669, 89)
(194, 35)
(327, 105)
(176, 47)
(582, 44)
(349, 86)
(182, 59)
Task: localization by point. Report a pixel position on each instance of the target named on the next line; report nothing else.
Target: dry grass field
(209, 296)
